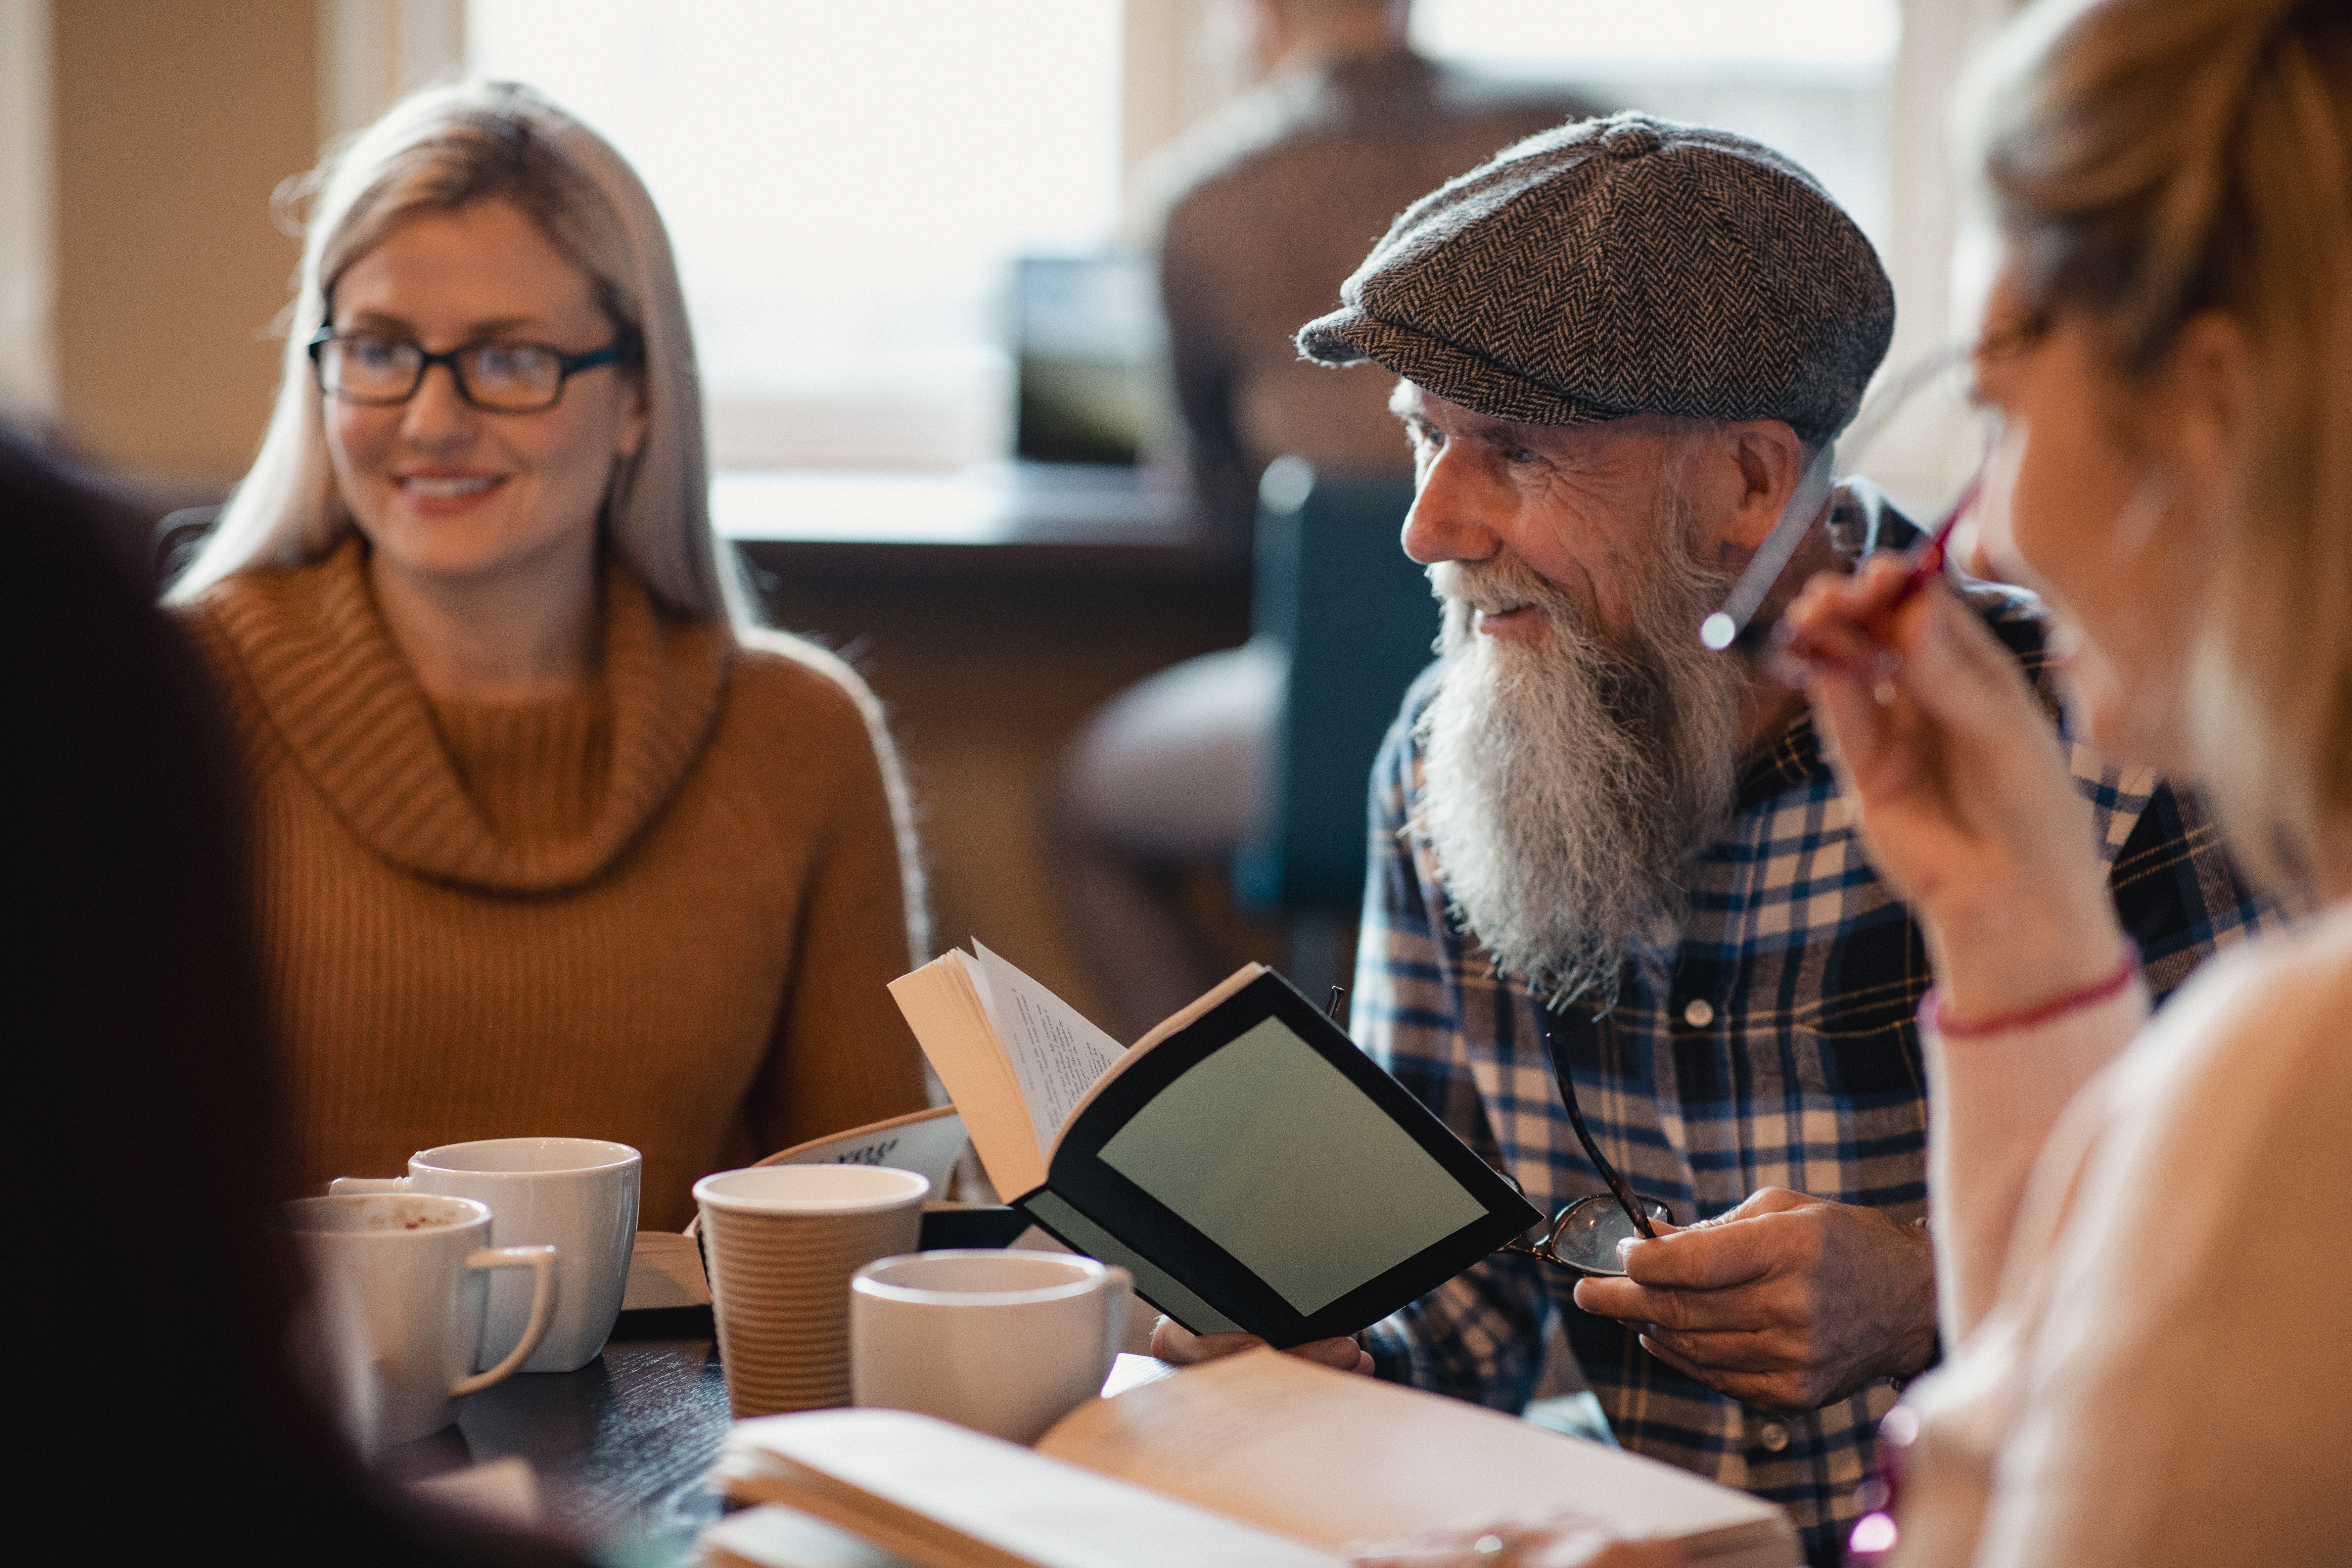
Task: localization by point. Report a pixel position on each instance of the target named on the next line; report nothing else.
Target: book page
(944, 1497)
(1055, 1053)
(924, 1141)
(943, 1005)
(1327, 1457)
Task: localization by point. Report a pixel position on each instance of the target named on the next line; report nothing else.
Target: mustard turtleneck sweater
(663, 910)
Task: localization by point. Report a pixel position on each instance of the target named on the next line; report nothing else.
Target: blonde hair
(2151, 160)
(436, 151)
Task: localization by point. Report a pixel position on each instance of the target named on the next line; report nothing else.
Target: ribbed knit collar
(357, 724)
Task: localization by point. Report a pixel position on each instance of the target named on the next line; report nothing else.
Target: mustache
(1499, 584)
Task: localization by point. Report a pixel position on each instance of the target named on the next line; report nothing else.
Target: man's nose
(436, 418)
(1447, 520)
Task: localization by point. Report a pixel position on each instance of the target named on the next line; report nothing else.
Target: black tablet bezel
(1081, 1178)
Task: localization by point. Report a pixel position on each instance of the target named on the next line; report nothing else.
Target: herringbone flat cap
(1623, 266)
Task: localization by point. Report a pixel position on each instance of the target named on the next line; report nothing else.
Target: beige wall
(174, 122)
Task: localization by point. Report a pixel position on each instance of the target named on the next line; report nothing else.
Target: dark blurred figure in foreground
(162, 1396)
(1269, 205)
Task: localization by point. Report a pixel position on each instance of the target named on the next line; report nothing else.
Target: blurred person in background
(1268, 206)
(550, 837)
(167, 1405)
(1607, 856)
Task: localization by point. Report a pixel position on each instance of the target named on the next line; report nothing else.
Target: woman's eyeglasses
(377, 370)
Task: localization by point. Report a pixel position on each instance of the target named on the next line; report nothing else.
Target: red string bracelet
(2090, 995)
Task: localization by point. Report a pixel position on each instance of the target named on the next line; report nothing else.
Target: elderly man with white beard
(1606, 855)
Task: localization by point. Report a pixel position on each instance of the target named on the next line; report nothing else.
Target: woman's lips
(447, 492)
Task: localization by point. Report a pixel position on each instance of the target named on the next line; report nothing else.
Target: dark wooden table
(621, 1447)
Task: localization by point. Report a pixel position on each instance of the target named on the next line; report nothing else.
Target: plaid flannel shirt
(1778, 1048)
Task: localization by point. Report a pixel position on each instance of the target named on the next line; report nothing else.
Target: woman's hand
(1562, 1539)
(1965, 799)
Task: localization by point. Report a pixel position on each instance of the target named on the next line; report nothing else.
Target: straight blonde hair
(2153, 160)
(436, 152)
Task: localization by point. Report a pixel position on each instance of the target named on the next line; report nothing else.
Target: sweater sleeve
(841, 1055)
(1992, 1099)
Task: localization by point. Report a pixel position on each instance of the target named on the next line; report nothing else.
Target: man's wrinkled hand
(1172, 1340)
(1787, 1303)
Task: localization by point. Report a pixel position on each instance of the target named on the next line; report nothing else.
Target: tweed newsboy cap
(1623, 266)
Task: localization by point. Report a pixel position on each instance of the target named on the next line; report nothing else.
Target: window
(847, 187)
(1804, 77)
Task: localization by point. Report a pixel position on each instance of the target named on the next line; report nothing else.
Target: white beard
(1565, 786)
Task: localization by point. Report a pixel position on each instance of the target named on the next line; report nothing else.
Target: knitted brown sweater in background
(663, 910)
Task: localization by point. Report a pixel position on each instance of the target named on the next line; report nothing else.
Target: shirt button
(1700, 1013)
(1773, 1435)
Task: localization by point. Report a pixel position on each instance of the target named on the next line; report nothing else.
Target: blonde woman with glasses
(550, 838)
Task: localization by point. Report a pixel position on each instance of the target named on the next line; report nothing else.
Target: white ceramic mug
(401, 1279)
(578, 1195)
(1001, 1342)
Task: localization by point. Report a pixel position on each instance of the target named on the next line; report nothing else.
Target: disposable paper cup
(782, 1241)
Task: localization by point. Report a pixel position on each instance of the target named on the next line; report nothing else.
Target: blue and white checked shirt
(1779, 1049)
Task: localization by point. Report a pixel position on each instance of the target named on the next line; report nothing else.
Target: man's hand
(1786, 1303)
(1172, 1340)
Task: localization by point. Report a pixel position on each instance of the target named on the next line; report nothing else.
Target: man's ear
(1769, 462)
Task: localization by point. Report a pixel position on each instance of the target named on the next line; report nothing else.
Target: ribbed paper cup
(782, 1241)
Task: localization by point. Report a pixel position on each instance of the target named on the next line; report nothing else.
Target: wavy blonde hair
(436, 151)
(2152, 160)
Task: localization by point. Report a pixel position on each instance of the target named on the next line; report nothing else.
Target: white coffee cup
(578, 1195)
(1002, 1341)
(401, 1281)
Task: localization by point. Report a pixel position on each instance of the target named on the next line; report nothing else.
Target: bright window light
(1805, 77)
(846, 185)
(1748, 34)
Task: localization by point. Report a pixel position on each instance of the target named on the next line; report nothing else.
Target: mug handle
(543, 1306)
(1116, 1290)
(346, 1186)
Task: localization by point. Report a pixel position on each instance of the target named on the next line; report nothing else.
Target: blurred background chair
(1355, 617)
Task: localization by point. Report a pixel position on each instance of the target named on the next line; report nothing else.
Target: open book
(1243, 1160)
(1260, 1459)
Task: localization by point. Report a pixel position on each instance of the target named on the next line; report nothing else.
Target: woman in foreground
(549, 841)
(2143, 1243)
(2143, 1228)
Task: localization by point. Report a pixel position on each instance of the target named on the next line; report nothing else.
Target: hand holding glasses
(1584, 1235)
(377, 370)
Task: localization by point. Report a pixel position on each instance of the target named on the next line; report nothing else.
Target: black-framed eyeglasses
(1583, 1236)
(378, 370)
